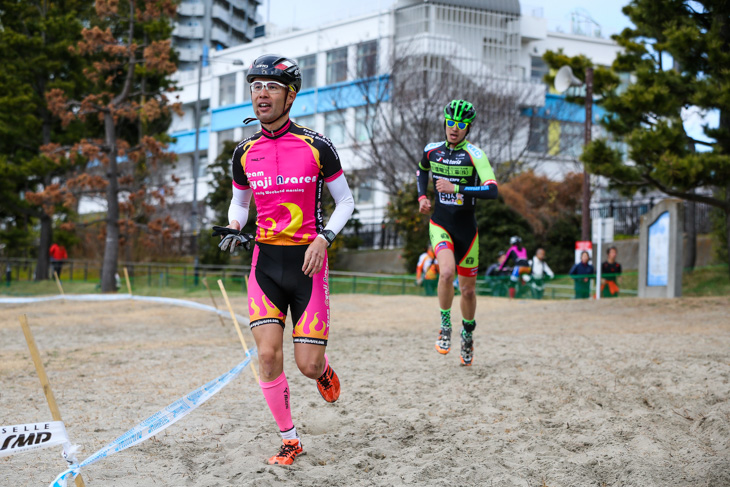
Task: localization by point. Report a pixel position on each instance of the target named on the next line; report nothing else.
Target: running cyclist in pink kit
(284, 167)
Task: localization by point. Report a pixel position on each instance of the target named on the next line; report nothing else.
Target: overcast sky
(309, 13)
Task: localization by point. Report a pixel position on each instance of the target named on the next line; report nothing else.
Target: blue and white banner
(119, 297)
(21, 438)
(158, 421)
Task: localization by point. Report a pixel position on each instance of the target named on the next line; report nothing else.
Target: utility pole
(586, 204)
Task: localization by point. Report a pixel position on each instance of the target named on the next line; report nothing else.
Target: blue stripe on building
(337, 96)
(556, 108)
(186, 141)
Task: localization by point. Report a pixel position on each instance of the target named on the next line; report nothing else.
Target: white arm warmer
(344, 204)
(239, 206)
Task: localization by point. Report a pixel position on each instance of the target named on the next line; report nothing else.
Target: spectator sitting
(610, 270)
(493, 270)
(582, 284)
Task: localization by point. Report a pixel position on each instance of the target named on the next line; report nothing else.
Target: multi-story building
(489, 38)
(211, 25)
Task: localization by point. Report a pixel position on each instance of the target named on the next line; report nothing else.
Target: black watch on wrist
(328, 235)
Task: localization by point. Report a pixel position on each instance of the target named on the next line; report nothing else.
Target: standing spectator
(58, 256)
(610, 270)
(540, 270)
(427, 272)
(582, 284)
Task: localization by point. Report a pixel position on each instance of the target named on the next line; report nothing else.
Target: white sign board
(606, 230)
(658, 259)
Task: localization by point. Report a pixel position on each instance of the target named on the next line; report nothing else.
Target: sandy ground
(616, 393)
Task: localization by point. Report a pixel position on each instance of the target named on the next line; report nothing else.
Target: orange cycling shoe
(329, 385)
(443, 344)
(288, 453)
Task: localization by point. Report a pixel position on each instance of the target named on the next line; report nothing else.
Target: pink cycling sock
(277, 395)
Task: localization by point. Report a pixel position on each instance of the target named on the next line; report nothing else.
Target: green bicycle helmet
(460, 111)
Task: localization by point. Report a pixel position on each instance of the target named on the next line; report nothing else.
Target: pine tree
(679, 56)
(34, 39)
(128, 47)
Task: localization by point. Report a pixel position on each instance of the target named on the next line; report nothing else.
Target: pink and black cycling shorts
(277, 283)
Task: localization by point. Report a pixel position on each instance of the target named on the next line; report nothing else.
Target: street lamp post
(196, 158)
(196, 164)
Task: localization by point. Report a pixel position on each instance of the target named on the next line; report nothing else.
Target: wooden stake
(58, 283)
(50, 398)
(126, 276)
(238, 328)
(215, 305)
(245, 278)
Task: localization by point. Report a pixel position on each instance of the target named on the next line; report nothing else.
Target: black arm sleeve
(422, 181)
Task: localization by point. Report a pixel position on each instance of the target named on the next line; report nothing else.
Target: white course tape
(119, 297)
(21, 438)
(158, 421)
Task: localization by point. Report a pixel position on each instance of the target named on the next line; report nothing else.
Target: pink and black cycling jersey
(519, 254)
(286, 172)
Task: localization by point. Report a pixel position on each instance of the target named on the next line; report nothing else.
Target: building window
(334, 126)
(336, 65)
(223, 137)
(204, 115)
(571, 138)
(308, 67)
(365, 192)
(364, 123)
(538, 140)
(367, 59)
(202, 167)
(227, 90)
(246, 87)
(538, 69)
(308, 121)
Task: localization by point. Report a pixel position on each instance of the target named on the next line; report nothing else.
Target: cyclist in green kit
(461, 175)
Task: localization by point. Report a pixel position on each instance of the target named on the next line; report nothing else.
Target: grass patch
(706, 281)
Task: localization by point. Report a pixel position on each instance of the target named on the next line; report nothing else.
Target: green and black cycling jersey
(468, 168)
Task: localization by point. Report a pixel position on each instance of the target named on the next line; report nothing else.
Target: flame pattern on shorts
(314, 329)
(269, 314)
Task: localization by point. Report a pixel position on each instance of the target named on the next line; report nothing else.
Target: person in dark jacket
(610, 270)
(578, 271)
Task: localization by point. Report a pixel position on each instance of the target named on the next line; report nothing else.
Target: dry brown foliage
(540, 200)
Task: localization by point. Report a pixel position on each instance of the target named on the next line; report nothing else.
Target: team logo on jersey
(475, 150)
(469, 260)
(432, 146)
(257, 180)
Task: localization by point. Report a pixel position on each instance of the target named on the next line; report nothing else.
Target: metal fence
(627, 215)
(163, 279)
